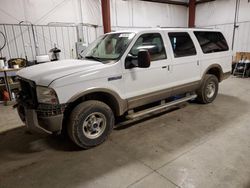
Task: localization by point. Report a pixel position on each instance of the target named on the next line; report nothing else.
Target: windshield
(108, 47)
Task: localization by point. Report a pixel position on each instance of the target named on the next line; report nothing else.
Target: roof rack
(188, 27)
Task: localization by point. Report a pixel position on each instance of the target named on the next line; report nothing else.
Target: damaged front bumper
(46, 118)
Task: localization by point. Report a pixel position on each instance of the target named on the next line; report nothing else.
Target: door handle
(198, 62)
(168, 67)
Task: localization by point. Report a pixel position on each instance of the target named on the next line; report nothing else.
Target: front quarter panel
(107, 76)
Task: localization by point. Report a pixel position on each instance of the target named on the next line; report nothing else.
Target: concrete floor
(196, 146)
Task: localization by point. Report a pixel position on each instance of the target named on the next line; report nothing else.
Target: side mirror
(143, 59)
(130, 61)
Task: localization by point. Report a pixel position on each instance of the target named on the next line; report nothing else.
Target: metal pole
(15, 40)
(57, 44)
(235, 21)
(64, 50)
(7, 41)
(51, 43)
(31, 44)
(34, 38)
(69, 42)
(95, 32)
(80, 10)
(80, 36)
(25, 53)
(44, 43)
(87, 34)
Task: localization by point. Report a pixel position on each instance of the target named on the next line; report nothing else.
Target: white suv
(126, 73)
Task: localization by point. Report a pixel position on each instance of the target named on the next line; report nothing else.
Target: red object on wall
(106, 16)
(191, 13)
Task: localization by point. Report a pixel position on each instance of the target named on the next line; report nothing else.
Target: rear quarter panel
(224, 59)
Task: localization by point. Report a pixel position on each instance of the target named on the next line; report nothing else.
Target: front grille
(47, 110)
(27, 95)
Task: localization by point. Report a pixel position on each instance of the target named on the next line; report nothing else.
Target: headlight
(46, 95)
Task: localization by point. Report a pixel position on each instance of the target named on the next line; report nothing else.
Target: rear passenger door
(185, 66)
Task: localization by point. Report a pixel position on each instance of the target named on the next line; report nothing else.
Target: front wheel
(90, 123)
(208, 89)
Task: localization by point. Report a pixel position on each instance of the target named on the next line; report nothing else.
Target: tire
(90, 123)
(248, 73)
(208, 89)
(21, 112)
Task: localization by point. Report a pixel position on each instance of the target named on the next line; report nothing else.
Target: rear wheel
(90, 123)
(208, 89)
(248, 73)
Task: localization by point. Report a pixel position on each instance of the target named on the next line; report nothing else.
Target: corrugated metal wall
(28, 41)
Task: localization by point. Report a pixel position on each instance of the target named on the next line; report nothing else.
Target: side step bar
(160, 107)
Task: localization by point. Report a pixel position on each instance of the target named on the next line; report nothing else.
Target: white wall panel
(242, 37)
(214, 13)
(91, 11)
(45, 11)
(11, 11)
(121, 13)
(244, 13)
(220, 14)
(136, 13)
(158, 14)
(124, 15)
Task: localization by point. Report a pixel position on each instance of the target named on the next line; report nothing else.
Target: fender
(120, 104)
(217, 66)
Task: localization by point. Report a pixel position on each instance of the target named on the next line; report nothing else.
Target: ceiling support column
(191, 13)
(106, 16)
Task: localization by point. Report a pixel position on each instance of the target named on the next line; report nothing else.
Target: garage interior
(203, 146)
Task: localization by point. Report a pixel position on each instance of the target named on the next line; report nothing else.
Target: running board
(160, 107)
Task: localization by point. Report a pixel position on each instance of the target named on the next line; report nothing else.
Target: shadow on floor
(60, 163)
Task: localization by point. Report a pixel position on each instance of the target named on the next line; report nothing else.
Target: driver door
(143, 85)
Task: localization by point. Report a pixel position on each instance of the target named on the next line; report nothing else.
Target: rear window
(182, 44)
(211, 42)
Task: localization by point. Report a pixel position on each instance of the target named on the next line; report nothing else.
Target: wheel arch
(216, 70)
(107, 96)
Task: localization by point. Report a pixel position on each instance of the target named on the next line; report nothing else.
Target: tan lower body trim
(162, 94)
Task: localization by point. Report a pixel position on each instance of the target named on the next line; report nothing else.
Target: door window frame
(135, 40)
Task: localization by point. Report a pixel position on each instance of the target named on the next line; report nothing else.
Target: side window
(182, 44)
(153, 43)
(211, 41)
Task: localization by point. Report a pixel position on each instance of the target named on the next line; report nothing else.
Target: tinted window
(153, 43)
(211, 41)
(182, 44)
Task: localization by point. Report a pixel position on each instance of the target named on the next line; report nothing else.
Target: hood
(44, 74)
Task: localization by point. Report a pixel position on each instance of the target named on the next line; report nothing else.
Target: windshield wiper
(93, 57)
